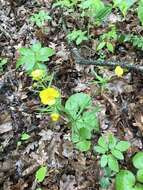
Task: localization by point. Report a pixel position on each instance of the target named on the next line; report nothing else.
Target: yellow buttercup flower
(119, 71)
(48, 96)
(37, 74)
(55, 116)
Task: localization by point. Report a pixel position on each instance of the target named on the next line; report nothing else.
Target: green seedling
(33, 58)
(111, 150)
(78, 36)
(102, 82)
(126, 180)
(40, 18)
(135, 40)
(24, 137)
(83, 118)
(106, 179)
(107, 40)
(41, 174)
(3, 62)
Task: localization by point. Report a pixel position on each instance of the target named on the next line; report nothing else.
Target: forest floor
(120, 102)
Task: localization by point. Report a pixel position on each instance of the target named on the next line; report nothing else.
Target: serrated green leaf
(44, 54)
(138, 160)
(113, 163)
(24, 136)
(122, 146)
(117, 154)
(36, 47)
(41, 173)
(76, 103)
(103, 160)
(83, 146)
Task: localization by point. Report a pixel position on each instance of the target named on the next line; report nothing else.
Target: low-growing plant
(105, 180)
(111, 150)
(107, 40)
(126, 180)
(101, 81)
(78, 36)
(136, 40)
(34, 57)
(40, 18)
(3, 62)
(83, 118)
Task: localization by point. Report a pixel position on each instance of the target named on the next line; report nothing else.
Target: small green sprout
(111, 150)
(78, 36)
(24, 137)
(41, 174)
(40, 18)
(107, 40)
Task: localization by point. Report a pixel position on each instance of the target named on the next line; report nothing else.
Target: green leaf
(101, 45)
(138, 160)
(102, 142)
(41, 173)
(140, 11)
(84, 134)
(38, 189)
(83, 146)
(36, 47)
(24, 136)
(112, 141)
(117, 154)
(104, 182)
(99, 149)
(77, 103)
(110, 47)
(103, 160)
(140, 175)
(124, 5)
(122, 146)
(113, 163)
(124, 180)
(44, 54)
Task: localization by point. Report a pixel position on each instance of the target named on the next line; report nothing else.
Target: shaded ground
(121, 105)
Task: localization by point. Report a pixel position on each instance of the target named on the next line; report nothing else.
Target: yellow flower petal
(48, 96)
(119, 71)
(37, 74)
(55, 116)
